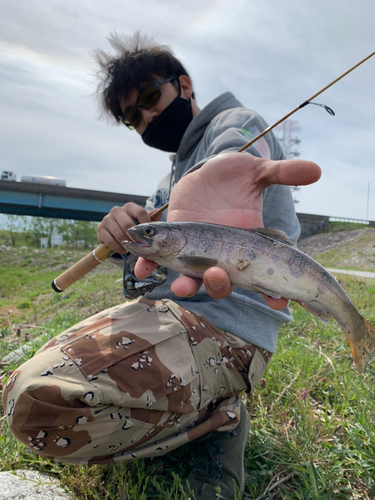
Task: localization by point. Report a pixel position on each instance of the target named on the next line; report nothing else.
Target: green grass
(313, 416)
(356, 255)
(345, 226)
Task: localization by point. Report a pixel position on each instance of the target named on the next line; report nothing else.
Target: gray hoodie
(225, 125)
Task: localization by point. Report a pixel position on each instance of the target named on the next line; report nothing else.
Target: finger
(276, 304)
(185, 286)
(112, 229)
(157, 217)
(129, 215)
(290, 172)
(144, 267)
(138, 213)
(112, 234)
(217, 283)
(106, 237)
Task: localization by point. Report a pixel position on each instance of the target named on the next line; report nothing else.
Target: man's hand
(112, 229)
(227, 190)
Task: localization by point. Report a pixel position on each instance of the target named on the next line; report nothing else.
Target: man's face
(169, 93)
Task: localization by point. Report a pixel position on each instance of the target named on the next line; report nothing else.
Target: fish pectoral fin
(317, 309)
(198, 264)
(261, 289)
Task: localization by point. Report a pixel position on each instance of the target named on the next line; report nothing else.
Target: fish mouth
(134, 239)
(137, 241)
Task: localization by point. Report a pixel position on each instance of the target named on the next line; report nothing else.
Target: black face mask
(166, 131)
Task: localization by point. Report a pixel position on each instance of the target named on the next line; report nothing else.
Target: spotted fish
(262, 260)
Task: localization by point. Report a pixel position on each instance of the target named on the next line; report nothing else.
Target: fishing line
(308, 101)
(305, 103)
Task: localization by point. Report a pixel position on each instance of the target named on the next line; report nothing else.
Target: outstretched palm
(227, 190)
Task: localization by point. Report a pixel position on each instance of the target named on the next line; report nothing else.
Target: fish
(263, 260)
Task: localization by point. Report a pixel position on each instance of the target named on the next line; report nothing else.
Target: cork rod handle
(89, 262)
(80, 268)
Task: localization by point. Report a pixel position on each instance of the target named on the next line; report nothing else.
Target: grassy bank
(313, 416)
(356, 255)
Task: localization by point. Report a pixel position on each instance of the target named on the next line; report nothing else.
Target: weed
(313, 418)
(25, 304)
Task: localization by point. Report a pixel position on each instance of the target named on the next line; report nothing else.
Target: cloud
(271, 55)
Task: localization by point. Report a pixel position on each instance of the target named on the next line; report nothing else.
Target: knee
(41, 416)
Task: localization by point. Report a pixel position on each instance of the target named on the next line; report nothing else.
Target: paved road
(362, 274)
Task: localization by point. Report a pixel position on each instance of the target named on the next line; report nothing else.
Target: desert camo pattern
(136, 380)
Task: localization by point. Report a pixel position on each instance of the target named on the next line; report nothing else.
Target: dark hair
(138, 60)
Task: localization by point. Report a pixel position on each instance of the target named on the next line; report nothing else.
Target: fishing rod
(87, 263)
(102, 252)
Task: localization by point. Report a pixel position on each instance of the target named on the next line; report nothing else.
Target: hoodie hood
(198, 125)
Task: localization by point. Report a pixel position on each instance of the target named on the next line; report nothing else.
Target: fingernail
(216, 285)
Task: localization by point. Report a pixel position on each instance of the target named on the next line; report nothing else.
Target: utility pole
(368, 200)
(287, 134)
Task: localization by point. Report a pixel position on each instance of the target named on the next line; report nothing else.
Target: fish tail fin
(365, 347)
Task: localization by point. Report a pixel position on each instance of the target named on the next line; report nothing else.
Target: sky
(272, 55)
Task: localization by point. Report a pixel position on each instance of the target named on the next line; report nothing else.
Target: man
(146, 377)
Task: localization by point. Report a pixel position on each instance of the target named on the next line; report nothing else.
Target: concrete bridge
(42, 200)
(60, 202)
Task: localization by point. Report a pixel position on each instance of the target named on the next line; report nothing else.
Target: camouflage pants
(137, 380)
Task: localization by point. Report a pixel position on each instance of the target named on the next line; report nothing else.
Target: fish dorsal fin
(275, 234)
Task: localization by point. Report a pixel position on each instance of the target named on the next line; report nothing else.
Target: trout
(262, 260)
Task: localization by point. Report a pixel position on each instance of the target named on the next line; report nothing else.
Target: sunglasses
(146, 100)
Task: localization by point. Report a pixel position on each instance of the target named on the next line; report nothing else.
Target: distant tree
(44, 227)
(22, 230)
(15, 225)
(85, 232)
(76, 232)
(38, 229)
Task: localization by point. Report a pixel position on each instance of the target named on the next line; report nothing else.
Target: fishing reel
(134, 287)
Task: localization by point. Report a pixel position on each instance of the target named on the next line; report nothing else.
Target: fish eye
(148, 231)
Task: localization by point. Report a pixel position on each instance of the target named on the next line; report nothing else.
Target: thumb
(289, 172)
